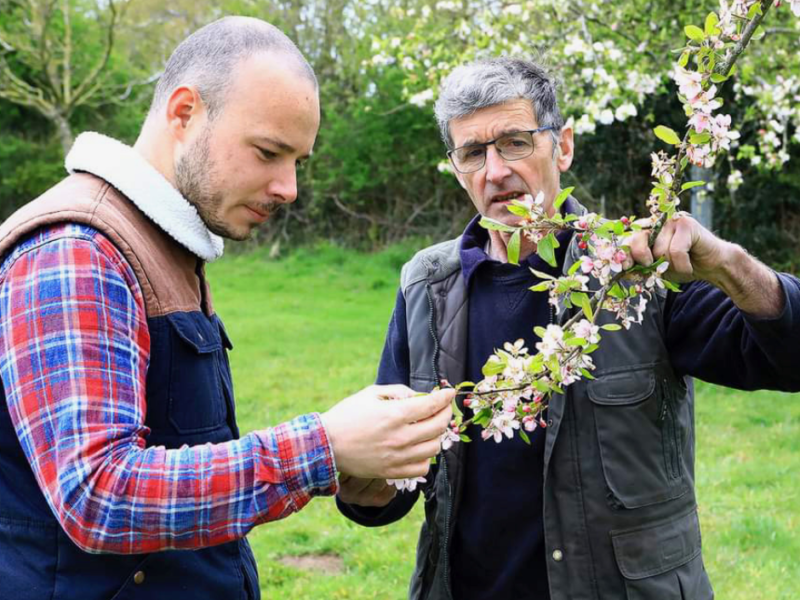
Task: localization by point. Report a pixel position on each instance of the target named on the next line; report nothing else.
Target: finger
(392, 392)
(423, 407)
(640, 249)
(663, 241)
(375, 488)
(431, 428)
(679, 249)
(422, 451)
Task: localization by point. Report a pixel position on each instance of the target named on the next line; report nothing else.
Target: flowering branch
(517, 385)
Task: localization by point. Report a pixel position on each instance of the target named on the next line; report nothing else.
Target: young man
(601, 505)
(122, 472)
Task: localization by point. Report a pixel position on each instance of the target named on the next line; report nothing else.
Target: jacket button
(549, 422)
(138, 578)
(558, 555)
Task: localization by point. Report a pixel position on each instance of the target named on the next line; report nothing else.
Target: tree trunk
(63, 130)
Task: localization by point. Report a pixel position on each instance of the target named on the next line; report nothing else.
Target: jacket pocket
(196, 400)
(638, 438)
(663, 561)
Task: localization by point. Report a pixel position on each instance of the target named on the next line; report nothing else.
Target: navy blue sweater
(498, 539)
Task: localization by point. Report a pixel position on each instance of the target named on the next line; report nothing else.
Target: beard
(194, 173)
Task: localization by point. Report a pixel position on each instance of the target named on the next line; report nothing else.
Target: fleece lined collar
(130, 173)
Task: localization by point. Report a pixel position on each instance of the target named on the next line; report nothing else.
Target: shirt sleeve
(74, 348)
(395, 363)
(709, 338)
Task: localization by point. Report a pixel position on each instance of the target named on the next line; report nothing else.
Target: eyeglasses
(511, 146)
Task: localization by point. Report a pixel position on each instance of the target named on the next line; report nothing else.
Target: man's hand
(376, 439)
(365, 492)
(694, 252)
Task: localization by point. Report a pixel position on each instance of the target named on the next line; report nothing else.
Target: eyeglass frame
(491, 142)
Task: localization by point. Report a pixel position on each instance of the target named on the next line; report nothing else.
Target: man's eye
(475, 152)
(267, 153)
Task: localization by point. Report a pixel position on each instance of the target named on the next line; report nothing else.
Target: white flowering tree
(517, 383)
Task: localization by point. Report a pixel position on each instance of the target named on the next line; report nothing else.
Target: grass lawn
(308, 330)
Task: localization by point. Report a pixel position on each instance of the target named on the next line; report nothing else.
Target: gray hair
(493, 81)
(208, 57)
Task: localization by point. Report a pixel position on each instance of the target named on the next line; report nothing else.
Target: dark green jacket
(620, 515)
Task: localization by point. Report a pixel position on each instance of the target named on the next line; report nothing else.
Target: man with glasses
(601, 504)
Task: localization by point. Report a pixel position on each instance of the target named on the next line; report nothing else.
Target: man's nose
(283, 187)
(496, 167)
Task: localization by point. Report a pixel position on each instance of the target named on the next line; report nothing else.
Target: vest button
(549, 422)
(138, 578)
(558, 556)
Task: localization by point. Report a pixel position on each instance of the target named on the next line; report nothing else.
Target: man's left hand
(692, 250)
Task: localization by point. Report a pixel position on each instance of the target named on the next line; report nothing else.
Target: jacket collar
(131, 174)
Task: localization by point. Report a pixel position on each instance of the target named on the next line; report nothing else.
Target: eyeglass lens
(512, 146)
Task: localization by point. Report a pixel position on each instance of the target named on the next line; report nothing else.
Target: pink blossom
(700, 121)
(584, 329)
(689, 83)
(406, 484)
(449, 438)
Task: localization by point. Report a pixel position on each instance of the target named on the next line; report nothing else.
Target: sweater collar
(473, 247)
(131, 174)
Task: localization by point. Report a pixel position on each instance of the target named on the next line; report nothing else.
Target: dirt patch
(328, 564)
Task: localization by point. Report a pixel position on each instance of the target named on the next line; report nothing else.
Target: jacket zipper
(429, 293)
(446, 544)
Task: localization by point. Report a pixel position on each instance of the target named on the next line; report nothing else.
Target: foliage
(379, 62)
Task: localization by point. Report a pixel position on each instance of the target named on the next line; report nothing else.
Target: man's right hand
(365, 492)
(375, 439)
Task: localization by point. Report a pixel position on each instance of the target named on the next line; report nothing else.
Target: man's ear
(566, 149)
(185, 111)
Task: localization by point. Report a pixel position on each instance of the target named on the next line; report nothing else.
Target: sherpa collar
(130, 173)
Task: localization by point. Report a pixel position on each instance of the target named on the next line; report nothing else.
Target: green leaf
(492, 368)
(711, 24)
(574, 268)
(540, 287)
(540, 331)
(546, 249)
(665, 134)
(691, 184)
(694, 33)
(611, 327)
(488, 223)
(524, 437)
(719, 78)
(520, 211)
(684, 59)
(541, 275)
(513, 248)
(700, 138)
(464, 438)
(562, 197)
(587, 374)
(754, 10)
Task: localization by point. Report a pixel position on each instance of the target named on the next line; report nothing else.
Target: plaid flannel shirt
(74, 351)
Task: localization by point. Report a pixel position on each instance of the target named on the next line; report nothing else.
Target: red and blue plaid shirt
(74, 351)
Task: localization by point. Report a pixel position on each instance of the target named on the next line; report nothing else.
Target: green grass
(308, 330)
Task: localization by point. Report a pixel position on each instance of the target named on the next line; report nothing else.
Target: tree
(55, 56)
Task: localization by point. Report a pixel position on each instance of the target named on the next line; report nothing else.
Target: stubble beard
(194, 173)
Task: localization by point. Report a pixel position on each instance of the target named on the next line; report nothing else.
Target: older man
(601, 504)
(122, 472)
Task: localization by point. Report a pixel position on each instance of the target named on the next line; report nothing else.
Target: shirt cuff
(307, 459)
